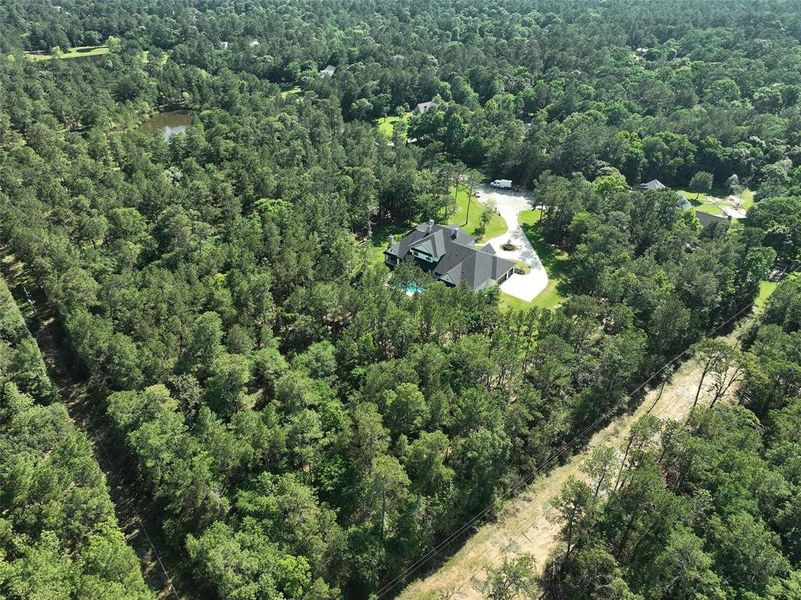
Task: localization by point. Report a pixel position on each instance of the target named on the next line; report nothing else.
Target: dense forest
(306, 430)
(707, 510)
(58, 533)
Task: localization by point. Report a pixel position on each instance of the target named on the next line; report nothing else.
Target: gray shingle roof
(654, 184)
(424, 107)
(706, 219)
(456, 260)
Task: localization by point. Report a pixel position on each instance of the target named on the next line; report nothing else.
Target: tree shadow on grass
(555, 261)
(382, 231)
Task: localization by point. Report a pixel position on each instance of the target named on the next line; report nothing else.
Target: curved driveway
(510, 204)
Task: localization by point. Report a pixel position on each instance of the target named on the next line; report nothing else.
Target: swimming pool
(412, 289)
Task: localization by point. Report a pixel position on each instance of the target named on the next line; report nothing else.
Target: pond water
(168, 123)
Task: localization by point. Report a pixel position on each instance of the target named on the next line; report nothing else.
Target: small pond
(168, 123)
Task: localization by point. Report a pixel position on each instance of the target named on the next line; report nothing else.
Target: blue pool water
(412, 289)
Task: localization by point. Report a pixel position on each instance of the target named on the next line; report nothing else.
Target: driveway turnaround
(510, 204)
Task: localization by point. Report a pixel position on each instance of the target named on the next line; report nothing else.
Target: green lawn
(766, 288)
(548, 298)
(703, 203)
(508, 302)
(79, 52)
(553, 259)
(708, 203)
(290, 91)
(496, 226)
(386, 125)
(748, 199)
(380, 241)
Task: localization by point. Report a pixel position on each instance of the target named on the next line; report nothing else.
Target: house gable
(449, 253)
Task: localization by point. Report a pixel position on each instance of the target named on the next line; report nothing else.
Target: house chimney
(391, 240)
(430, 226)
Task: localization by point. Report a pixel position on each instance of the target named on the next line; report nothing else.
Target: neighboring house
(450, 255)
(328, 71)
(254, 43)
(424, 107)
(655, 185)
(707, 220)
(652, 185)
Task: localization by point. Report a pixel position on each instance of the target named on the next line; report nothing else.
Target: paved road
(510, 204)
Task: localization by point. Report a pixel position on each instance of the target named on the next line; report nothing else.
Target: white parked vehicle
(504, 184)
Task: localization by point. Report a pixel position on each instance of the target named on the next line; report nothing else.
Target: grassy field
(386, 125)
(766, 288)
(710, 203)
(496, 226)
(79, 52)
(703, 202)
(748, 199)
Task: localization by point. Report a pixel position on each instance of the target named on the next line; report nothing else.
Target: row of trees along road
(58, 534)
(707, 508)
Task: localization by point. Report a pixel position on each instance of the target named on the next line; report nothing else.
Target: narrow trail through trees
(76, 393)
(525, 524)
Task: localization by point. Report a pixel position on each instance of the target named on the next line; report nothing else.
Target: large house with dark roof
(450, 255)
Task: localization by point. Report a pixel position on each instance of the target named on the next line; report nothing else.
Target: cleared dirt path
(509, 205)
(84, 410)
(524, 525)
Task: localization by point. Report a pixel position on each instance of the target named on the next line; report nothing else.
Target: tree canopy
(306, 429)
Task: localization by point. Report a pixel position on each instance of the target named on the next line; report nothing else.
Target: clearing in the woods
(524, 524)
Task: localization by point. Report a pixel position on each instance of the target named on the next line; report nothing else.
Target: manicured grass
(553, 259)
(380, 241)
(548, 298)
(508, 302)
(381, 233)
(495, 228)
(290, 91)
(386, 125)
(709, 209)
(703, 202)
(711, 204)
(79, 52)
(766, 289)
(748, 199)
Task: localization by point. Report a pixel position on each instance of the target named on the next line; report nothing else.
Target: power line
(527, 478)
(114, 469)
(496, 555)
(58, 366)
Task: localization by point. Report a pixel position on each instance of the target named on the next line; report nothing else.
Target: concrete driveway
(510, 204)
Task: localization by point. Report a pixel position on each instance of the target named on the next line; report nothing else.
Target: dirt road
(84, 410)
(524, 525)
